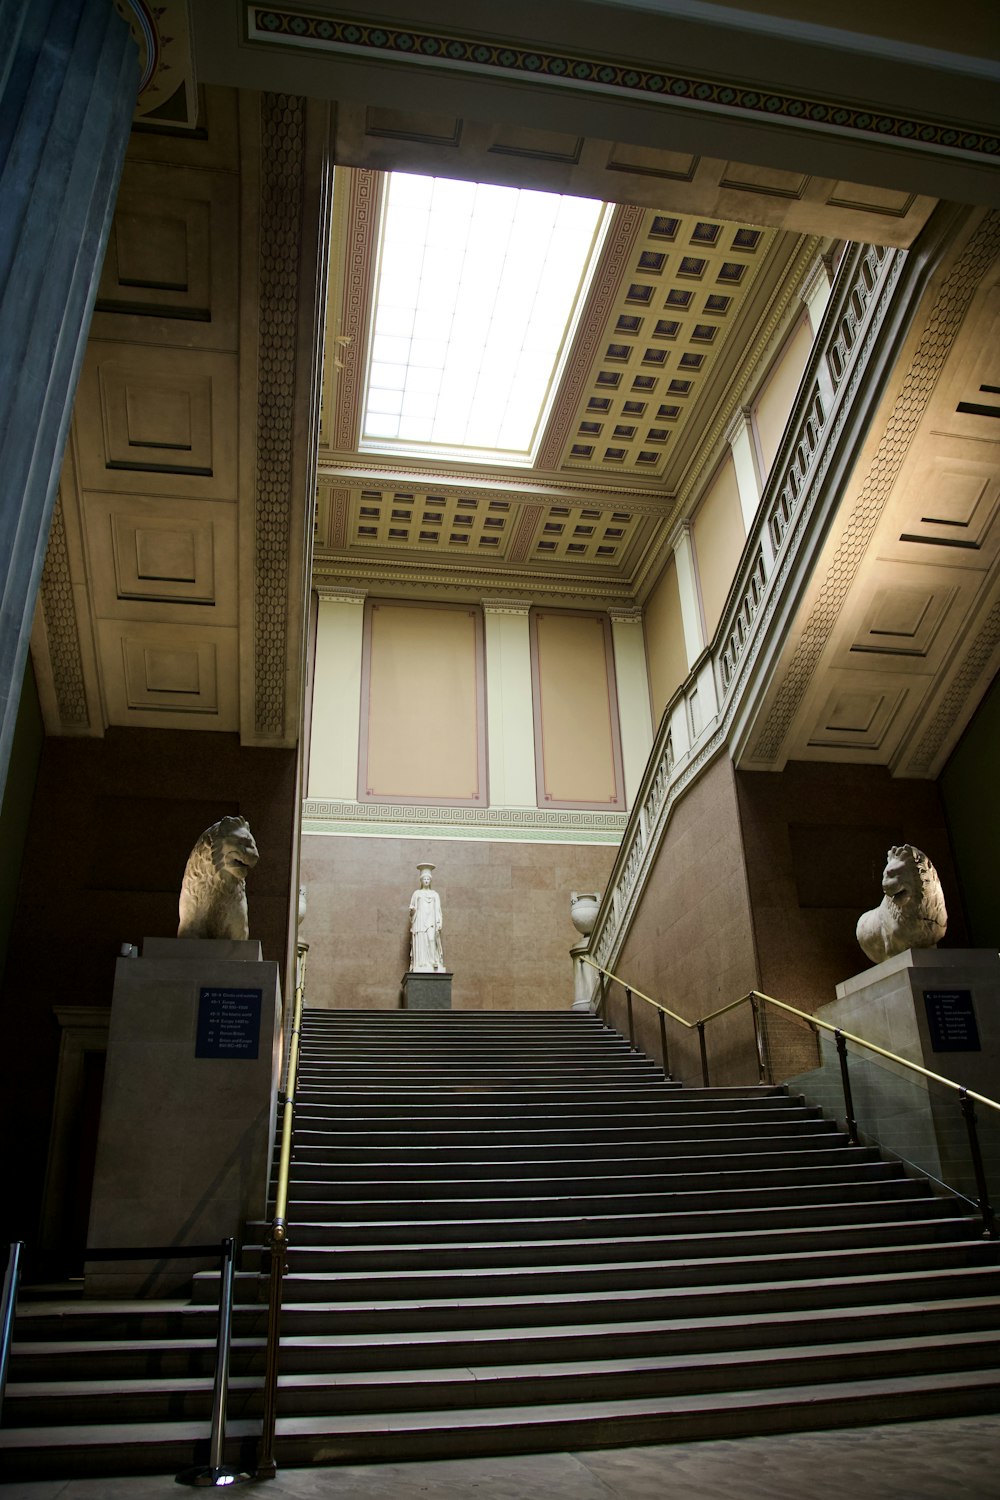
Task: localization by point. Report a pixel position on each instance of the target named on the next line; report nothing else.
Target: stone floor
(957, 1459)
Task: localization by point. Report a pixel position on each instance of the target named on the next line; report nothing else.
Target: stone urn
(583, 911)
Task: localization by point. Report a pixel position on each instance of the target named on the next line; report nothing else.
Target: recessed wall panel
(423, 710)
(577, 745)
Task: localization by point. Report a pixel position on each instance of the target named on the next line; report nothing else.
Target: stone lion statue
(912, 913)
(213, 901)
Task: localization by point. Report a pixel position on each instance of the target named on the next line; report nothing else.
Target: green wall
(970, 789)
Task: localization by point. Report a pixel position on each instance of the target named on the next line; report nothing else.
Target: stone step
(627, 1276)
(736, 1241)
(189, 1397)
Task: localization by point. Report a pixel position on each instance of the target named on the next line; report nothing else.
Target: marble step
(316, 1315)
(629, 1275)
(736, 1192)
(164, 1447)
(313, 1128)
(528, 1161)
(736, 1240)
(473, 1106)
(162, 1397)
(152, 1351)
(901, 1201)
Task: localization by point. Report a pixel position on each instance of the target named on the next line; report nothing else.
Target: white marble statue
(912, 913)
(213, 902)
(426, 956)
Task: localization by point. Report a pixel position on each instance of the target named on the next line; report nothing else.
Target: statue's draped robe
(425, 932)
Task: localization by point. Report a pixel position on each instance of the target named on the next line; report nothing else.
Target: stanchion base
(214, 1479)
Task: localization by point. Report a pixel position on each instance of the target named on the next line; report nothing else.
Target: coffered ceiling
(675, 325)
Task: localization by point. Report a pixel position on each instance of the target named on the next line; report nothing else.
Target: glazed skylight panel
(477, 292)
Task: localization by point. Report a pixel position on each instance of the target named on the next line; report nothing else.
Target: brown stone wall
(690, 945)
(112, 824)
(816, 837)
(507, 931)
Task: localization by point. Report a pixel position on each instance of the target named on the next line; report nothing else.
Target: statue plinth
(431, 991)
(188, 1113)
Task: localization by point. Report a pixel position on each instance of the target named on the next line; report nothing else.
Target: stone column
(689, 591)
(815, 292)
(509, 717)
(740, 440)
(68, 86)
(336, 712)
(635, 717)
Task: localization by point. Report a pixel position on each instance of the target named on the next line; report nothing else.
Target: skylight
(477, 296)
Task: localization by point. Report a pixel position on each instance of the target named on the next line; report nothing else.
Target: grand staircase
(510, 1233)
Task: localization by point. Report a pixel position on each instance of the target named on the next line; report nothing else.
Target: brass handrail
(803, 1015)
(267, 1466)
(754, 998)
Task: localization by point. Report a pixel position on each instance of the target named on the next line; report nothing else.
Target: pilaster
(509, 719)
(634, 714)
(336, 717)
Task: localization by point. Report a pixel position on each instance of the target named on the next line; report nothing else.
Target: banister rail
(267, 1467)
(755, 999)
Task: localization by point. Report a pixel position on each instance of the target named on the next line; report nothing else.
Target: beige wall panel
(770, 412)
(424, 730)
(336, 711)
(578, 753)
(665, 650)
(507, 931)
(719, 536)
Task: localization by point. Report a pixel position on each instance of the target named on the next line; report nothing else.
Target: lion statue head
(912, 913)
(213, 900)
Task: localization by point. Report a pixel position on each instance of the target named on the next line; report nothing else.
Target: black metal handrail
(756, 999)
(215, 1474)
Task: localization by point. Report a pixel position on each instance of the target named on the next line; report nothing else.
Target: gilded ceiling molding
(300, 27)
(61, 628)
(447, 579)
(949, 710)
(625, 614)
(940, 329)
(615, 256)
(355, 311)
(282, 144)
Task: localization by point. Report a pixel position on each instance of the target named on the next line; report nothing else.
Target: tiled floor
(950, 1460)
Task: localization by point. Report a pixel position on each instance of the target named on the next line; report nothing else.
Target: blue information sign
(228, 1023)
(952, 1021)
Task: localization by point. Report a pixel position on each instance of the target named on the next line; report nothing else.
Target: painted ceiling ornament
(912, 913)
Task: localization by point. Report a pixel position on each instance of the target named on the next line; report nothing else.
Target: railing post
(217, 1475)
(11, 1280)
(968, 1109)
(631, 1023)
(704, 1053)
(758, 1038)
(845, 1078)
(663, 1046)
(267, 1467)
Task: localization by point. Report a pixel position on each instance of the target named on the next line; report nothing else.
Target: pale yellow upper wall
(579, 756)
(770, 410)
(423, 736)
(665, 653)
(719, 535)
